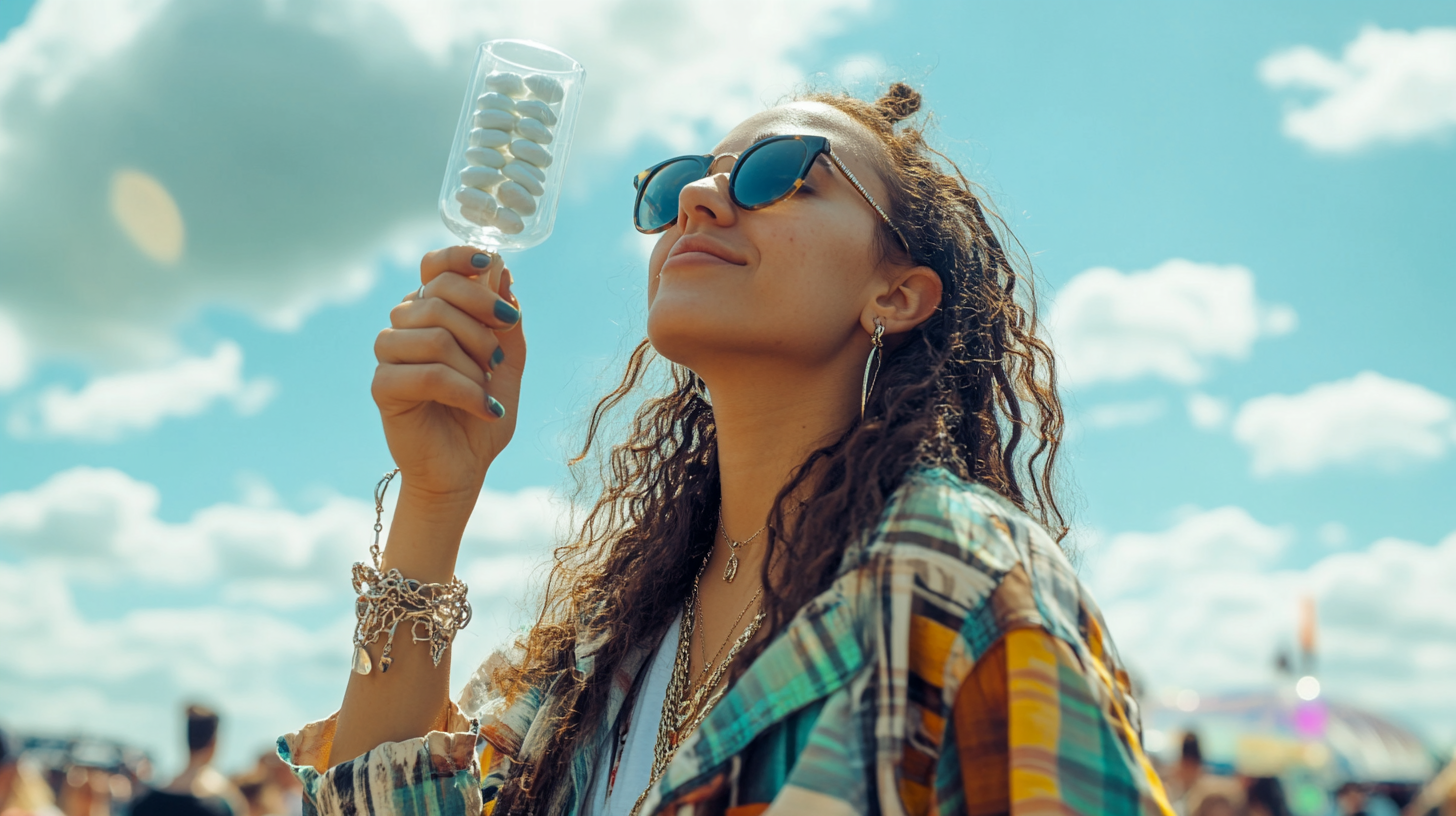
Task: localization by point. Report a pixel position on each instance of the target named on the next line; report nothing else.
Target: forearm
(406, 701)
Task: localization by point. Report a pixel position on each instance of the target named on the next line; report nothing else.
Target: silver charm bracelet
(433, 612)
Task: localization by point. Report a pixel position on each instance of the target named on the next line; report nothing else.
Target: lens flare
(148, 215)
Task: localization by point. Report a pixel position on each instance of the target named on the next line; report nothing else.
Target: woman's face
(787, 286)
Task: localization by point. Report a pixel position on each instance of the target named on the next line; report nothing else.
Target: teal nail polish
(507, 312)
(493, 405)
(480, 260)
(497, 357)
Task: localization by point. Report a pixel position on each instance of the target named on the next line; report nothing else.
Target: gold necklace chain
(682, 712)
(703, 639)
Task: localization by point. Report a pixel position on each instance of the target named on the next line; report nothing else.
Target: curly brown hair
(963, 393)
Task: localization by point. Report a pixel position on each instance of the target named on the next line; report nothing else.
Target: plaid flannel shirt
(955, 666)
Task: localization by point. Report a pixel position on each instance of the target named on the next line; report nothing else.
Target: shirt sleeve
(438, 774)
(1032, 737)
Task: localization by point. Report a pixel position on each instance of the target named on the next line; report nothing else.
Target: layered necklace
(687, 703)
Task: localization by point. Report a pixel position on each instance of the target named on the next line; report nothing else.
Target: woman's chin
(685, 334)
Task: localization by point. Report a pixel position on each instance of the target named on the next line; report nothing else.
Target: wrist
(424, 536)
(442, 508)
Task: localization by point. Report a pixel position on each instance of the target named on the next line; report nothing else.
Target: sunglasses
(769, 171)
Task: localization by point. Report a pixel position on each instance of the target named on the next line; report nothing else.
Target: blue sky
(1239, 217)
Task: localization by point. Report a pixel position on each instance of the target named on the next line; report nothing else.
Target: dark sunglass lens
(659, 203)
(769, 172)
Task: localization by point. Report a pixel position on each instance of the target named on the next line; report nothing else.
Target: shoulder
(970, 560)
(969, 531)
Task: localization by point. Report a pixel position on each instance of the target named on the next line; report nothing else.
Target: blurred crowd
(86, 777)
(1196, 790)
(53, 777)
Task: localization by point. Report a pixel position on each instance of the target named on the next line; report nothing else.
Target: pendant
(731, 571)
(362, 663)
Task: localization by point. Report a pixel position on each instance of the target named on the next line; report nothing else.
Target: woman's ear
(910, 299)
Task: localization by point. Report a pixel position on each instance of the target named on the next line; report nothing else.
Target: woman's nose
(707, 200)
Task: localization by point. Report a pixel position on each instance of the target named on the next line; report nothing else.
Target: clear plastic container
(504, 175)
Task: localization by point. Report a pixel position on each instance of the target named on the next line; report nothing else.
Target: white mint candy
(483, 137)
(482, 217)
(475, 201)
(536, 109)
(482, 178)
(506, 82)
(522, 174)
(545, 88)
(529, 151)
(508, 220)
(496, 120)
(485, 157)
(495, 101)
(531, 129)
(515, 196)
(532, 169)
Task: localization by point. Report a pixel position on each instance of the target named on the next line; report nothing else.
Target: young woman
(818, 578)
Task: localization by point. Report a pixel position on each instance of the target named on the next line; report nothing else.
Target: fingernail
(493, 405)
(497, 357)
(506, 312)
(480, 260)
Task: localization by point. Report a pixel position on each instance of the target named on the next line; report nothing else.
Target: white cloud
(1120, 414)
(1171, 321)
(247, 606)
(108, 407)
(1207, 413)
(1368, 419)
(1205, 605)
(1389, 86)
(295, 174)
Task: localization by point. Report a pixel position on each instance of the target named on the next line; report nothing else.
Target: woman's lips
(695, 249)
(697, 258)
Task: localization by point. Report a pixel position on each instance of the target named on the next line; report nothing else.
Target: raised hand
(449, 375)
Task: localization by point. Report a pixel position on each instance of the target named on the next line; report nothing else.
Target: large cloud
(1207, 603)
(1388, 86)
(1369, 419)
(158, 156)
(113, 405)
(1171, 321)
(246, 605)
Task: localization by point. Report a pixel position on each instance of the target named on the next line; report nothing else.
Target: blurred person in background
(23, 790)
(290, 790)
(270, 788)
(1185, 773)
(87, 791)
(1265, 797)
(1350, 799)
(200, 790)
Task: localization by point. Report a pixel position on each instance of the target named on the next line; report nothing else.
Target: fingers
(473, 296)
(426, 346)
(405, 386)
(477, 341)
(466, 261)
(513, 341)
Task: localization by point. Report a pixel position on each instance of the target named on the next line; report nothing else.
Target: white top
(635, 770)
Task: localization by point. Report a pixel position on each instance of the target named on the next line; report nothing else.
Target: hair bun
(899, 102)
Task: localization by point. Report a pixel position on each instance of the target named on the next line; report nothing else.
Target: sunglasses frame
(817, 145)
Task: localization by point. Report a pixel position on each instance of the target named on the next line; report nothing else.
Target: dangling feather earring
(872, 366)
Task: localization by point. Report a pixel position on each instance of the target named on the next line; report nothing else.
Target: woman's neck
(766, 426)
